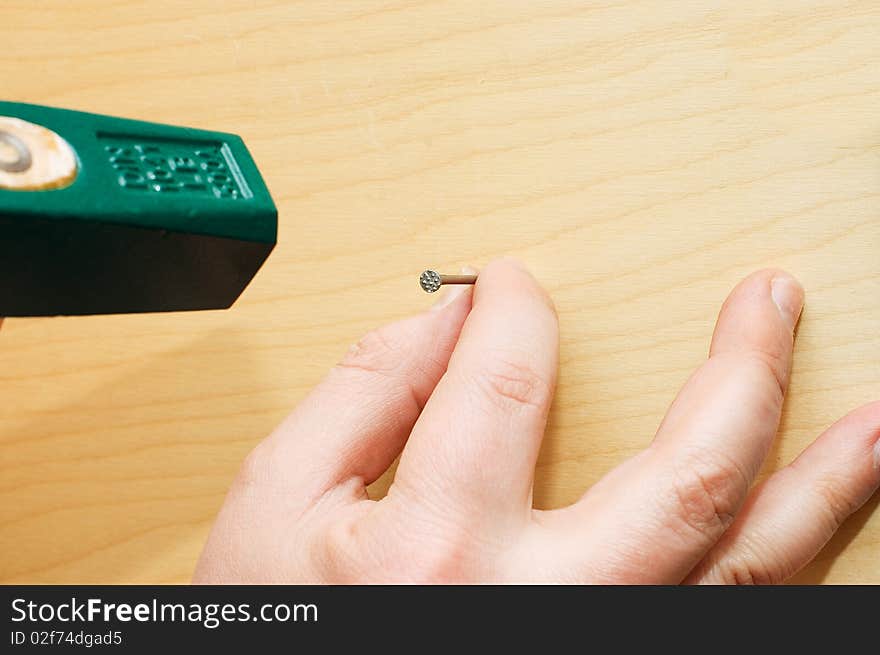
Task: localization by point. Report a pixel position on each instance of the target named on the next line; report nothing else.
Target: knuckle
(836, 502)
(743, 576)
(707, 489)
(548, 303)
(263, 469)
(255, 467)
(381, 357)
(376, 352)
(767, 372)
(444, 562)
(400, 539)
(437, 549)
(508, 382)
(342, 552)
(743, 573)
(758, 372)
(754, 564)
(457, 554)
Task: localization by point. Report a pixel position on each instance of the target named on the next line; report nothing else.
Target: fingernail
(453, 291)
(788, 295)
(877, 455)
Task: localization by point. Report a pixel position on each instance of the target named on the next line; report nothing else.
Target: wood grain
(640, 155)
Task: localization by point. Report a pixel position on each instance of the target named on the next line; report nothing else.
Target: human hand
(466, 388)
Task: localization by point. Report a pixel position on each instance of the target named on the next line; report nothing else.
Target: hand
(464, 391)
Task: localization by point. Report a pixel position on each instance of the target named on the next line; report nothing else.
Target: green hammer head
(105, 215)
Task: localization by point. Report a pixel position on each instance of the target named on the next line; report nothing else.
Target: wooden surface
(640, 155)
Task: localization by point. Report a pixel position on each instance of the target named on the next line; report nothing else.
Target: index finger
(474, 447)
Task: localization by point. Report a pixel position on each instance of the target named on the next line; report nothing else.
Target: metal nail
(431, 281)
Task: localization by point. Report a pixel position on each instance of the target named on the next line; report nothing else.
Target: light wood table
(639, 155)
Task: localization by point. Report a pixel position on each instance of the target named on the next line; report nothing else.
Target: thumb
(355, 422)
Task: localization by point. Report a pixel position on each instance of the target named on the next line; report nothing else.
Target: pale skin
(462, 393)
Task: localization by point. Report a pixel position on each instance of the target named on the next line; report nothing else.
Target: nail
(431, 280)
(454, 291)
(788, 295)
(877, 455)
